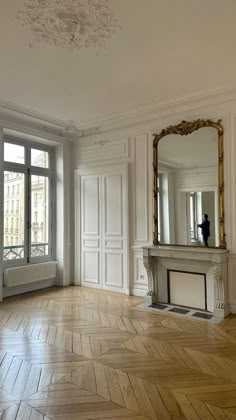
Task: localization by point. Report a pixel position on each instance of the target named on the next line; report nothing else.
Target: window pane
(39, 216)
(14, 153)
(14, 215)
(39, 158)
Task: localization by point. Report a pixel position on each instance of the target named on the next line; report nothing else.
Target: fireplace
(187, 276)
(187, 289)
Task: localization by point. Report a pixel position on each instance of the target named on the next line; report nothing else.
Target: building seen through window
(28, 206)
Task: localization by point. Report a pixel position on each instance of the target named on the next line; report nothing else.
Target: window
(39, 158)
(41, 216)
(14, 153)
(159, 209)
(35, 219)
(193, 215)
(27, 174)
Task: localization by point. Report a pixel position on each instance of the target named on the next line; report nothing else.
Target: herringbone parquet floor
(82, 354)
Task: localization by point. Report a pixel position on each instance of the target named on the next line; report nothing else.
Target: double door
(101, 228)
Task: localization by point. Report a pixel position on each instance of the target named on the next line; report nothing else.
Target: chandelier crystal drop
(70, 24)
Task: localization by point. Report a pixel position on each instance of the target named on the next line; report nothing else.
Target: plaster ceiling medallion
(72, 24)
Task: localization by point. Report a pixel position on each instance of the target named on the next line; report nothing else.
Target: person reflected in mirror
(205, 226)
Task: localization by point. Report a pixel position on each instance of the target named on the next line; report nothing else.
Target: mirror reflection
(188, 189)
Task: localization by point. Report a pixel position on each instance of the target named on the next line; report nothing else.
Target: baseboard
(232, 308)
(12, 291)
(137, 292)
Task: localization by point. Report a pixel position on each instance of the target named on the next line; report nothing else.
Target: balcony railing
(16, 252)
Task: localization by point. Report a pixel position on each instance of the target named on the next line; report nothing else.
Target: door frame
(99, 170)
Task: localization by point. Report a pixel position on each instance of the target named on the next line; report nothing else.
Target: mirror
(188, 185)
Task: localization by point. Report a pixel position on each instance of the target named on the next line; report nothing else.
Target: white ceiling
(199, 149)
(166, 49)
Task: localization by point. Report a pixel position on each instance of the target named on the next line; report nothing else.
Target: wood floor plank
(85, 354)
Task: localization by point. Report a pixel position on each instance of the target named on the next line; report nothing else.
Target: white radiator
(18, 276)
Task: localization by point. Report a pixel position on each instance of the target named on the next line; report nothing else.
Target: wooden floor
(77, 353)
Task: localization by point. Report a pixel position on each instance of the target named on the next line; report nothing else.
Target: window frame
(28, 170)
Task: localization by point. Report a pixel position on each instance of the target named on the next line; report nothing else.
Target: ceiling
(198, 149)
(165, 49)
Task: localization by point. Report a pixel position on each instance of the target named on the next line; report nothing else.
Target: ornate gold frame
(183, 129)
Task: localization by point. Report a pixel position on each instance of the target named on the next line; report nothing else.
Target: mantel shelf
(189, 249)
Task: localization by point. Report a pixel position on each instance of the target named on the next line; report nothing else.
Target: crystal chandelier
(70, 24)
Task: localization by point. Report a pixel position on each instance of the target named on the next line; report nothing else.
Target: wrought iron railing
(16, 252)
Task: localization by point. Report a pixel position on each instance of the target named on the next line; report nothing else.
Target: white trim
(44, 284)
(1, 214)
(147, 113)
(137, 292)
(232, 308)
(77, 192)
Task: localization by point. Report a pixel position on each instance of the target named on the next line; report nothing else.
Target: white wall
(132, 143)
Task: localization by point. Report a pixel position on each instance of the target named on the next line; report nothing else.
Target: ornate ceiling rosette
(72, 24)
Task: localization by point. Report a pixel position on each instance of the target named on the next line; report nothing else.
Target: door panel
(114, 238)
(90, 198)
(91, 267)
(90, 231)
(113, 270)
(113, 205)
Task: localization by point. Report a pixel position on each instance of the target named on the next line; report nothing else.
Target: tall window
(28, 173)
(193, 215)
(159, 208)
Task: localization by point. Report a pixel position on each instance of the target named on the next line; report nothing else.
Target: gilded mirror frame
(183, 129)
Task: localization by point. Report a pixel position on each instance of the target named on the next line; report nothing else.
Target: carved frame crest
(183, 129)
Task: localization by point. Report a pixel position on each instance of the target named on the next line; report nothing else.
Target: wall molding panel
(104, 150)
(140, 189)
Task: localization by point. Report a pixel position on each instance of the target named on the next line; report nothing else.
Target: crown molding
(23, 119)
(156, 110)
(16, 116)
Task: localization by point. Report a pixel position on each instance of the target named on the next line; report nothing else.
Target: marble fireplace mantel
(211, 262)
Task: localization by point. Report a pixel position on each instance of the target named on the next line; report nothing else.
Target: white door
(101, 228)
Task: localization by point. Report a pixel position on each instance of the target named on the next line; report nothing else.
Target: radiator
(18, 276)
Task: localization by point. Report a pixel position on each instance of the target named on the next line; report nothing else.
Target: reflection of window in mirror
(193, 216)
(165, 200)
(159, 208)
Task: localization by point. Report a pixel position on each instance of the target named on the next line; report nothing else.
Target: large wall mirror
(188, 185)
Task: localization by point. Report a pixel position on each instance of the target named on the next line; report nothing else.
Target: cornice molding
(74, 131)
(16, 115)
(158, 110)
